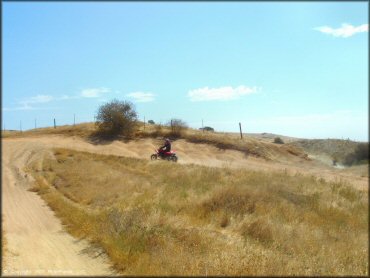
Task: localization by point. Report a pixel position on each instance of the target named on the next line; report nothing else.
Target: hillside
(249, 145)
(329, 148)
(228, 207)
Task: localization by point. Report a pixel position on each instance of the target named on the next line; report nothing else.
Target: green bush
(116, 118)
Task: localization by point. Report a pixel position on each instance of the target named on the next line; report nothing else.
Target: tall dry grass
(84, 130)
(160, 218)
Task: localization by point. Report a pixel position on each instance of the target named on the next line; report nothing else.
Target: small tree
(177, 126)
(151, 122)
(116, 118)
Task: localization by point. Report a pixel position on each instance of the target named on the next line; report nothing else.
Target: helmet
(167, 140)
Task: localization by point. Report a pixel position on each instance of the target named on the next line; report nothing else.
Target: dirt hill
(238, 198)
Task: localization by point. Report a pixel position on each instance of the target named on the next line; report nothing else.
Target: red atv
(160, 154)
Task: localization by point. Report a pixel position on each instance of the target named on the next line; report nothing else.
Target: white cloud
(222, 93)
(141, 96)
(347, 30)
(39, 99)
(24, 107)
(67, 97)
(26, 104)
(94, 92)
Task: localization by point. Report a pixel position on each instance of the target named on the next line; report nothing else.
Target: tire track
(36, 241)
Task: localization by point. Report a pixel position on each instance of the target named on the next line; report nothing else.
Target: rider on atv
(165, 148)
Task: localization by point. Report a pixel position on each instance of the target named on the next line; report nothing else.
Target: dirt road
(36, 241)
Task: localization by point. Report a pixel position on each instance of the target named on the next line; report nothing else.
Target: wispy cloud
(27, 103)
(39, 99)
(346, 31)
(67, 97)
(94, 92)
(141, 96)
(222, 93)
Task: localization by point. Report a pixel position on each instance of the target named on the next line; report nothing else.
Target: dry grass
(3, 248)
(160, 218)
(84, 130)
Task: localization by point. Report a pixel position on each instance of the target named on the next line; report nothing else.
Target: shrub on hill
(278, 140)
(177, 127)
(116, 118)
(208, 128)
(361, 154)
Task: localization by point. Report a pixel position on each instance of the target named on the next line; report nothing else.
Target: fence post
(241, 134)
(55, 126)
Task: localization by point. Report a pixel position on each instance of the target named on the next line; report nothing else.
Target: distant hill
(334, 148)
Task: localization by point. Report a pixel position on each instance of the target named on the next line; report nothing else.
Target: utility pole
(20, 126)
(74, 119)
(35, 123)
(241, 134)
(144, 123)
(202, 126)
(55, 126)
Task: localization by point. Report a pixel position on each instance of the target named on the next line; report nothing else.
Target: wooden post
(241, 134)
(55, 126)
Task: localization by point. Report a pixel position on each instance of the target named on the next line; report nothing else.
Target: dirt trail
(36, 242)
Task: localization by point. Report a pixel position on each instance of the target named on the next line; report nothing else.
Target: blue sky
(292, 68)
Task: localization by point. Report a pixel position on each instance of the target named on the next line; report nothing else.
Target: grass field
(160, 218)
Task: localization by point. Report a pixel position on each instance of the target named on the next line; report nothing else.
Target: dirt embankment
(36, 242)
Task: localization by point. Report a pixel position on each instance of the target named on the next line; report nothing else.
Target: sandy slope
(36, 242)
